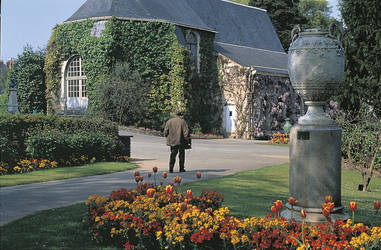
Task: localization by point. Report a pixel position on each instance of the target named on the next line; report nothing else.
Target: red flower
(328, 199)
(186, 201)
(292, 201)
(141, 178)
(177, 179)
(198, 175)
(169, 189)
(128, 246)
(352, 205)
(376, 205)
(273, 209)
(151, 191)
(164, 175)
(278, 205)
(326, 211)
(189, 193)
(303, 213)
(137, 179)
(136, 173)
(154, 169)
(149, 174)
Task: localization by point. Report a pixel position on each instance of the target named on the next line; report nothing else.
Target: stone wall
(263, 101)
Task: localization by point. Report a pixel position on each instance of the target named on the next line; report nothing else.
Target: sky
(31, 22)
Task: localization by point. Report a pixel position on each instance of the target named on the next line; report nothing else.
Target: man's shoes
(171, 170)
(182, 170)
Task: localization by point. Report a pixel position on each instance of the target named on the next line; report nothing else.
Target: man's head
(178, 112)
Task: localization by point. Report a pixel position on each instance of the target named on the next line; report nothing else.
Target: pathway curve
(213, 158)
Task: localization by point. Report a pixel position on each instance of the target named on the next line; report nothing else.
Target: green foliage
(3, 77)
(152, 50)
(122, 96)
(18, 128)
(361, 86)
(284, 15)
(27, 73)
(317, 13)
(54, 145)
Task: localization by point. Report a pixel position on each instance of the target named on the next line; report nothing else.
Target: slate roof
(244, 34)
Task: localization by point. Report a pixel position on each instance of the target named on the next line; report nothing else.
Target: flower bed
(280, 138)
(154, 217)
(15, 166)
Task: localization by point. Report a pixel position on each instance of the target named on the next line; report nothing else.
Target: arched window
(75, 79)
(193, 43)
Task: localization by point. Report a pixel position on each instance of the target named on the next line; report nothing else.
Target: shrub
(18, 128)
(53, 145)
(27, 73)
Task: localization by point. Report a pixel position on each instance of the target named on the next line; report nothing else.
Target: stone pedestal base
(314, 215)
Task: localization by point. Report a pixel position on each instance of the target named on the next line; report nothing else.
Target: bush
(53, 145)
(28, 74)
(18, 128)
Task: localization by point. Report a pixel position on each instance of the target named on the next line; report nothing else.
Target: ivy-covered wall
(151, 49)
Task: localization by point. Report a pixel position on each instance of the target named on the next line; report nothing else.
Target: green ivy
(152, 50)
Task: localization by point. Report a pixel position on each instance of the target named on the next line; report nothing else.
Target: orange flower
(141, 178)
(177, 179)
(154, 169)
(291, 201)
(149, 174)
(273, 209)
(169, 189)
(352, 205)
(303, 213)
(376, 205)
(136, 173)
(198, 175)
(151, 191)
(278, 205)
(165, 175)
(189, 193)
(137, 179)
(326, 211)
(328, 199)
(186, 201)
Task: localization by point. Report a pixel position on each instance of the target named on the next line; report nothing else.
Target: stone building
(255, 94)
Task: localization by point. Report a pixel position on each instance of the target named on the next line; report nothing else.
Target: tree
(284, 15)
(3, 76)
(317, 13)
(361, 87)
(122, 96)
(28, 75)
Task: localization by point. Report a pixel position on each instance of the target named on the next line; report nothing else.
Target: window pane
(76, 82)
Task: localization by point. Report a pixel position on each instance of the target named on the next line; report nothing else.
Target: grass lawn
(272, 144)
(97, 168)
(247, 194)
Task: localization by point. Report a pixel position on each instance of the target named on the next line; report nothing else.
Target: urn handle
(295, 33)
(340, 32)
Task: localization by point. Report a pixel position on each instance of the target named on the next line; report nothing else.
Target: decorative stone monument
(316, 67)
(13, 107)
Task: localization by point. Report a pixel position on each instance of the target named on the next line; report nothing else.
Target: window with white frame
(76, 79)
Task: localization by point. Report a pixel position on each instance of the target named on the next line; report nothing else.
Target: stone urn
(287, 126)
(316, 67)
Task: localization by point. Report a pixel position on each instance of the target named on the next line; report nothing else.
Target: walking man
(177, 133)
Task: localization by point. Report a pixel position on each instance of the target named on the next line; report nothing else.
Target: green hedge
(16, 129)
(66, 148)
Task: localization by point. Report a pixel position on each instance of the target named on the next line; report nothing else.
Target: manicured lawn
(247, 194)
(272, 144)
(65, 173)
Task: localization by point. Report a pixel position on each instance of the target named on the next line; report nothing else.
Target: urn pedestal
(316, 67)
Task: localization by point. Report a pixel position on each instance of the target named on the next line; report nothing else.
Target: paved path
(213, 158)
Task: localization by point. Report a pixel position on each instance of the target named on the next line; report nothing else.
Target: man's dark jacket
(176, 130)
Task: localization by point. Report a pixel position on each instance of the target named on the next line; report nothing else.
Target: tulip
(136, 173)
(165, 174)
(376, 205)
(273, 209)
(137, 179)
(141, 178)
(189, 193)
(154, 169)
(161, 183)
(303, 214)
(198, 175)
(291, 201)
(150, 191)
(186, 201)
(352, 205)
(278, 205)
(169, 189)
(326, 211)
(149, 174)
(328, 199)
